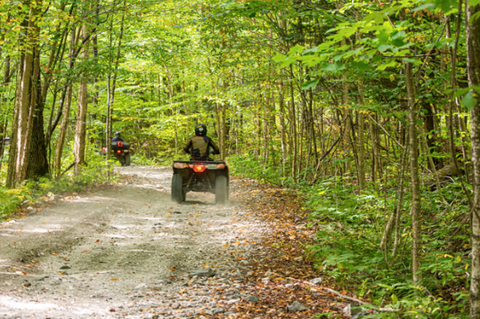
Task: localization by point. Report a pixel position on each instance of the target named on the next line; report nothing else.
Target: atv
(121, 150)
(200, 176)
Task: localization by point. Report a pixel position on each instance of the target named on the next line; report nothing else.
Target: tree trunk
(361, 139)
(37, 150)
(453, 83)
(24, 110)
(4, 125)
(283, 129)
(473, 54)
(375, 151)
(416, 199)
(266, 129)
(430, 129)
(63, 131)
(293, 120)
(312, 127)
(81, 122)
(64, 108)
(112, 84)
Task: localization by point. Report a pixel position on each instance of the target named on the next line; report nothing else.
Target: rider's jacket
(117, 139)
(199, 147)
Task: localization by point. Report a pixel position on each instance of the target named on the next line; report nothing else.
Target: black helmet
(200, 130)
(117, 133)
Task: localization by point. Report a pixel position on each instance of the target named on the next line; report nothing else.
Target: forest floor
(128, 251)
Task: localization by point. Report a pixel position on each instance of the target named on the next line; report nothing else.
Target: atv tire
(221, 189)
(178, 195)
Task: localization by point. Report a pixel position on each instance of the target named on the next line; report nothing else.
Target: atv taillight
(119, 151)
(199, 168)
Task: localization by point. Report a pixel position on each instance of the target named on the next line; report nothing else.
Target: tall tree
(473, 54)
(414, 172)
(64, 107)
(27, 96)
(81, 122)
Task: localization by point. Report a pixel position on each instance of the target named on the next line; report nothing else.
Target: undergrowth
(347, 248)
(34, 191)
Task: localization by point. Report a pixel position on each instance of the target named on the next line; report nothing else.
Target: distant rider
(117, 138)
(199, 146)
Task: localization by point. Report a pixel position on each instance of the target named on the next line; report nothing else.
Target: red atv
(200, 176)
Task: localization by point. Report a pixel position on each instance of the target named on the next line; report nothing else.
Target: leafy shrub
(10, 199)
(347, 248)
(250, 167)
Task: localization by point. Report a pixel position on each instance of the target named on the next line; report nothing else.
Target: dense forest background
(368, 109)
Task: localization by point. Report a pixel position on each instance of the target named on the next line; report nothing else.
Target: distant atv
(200, 176)
(121, 150)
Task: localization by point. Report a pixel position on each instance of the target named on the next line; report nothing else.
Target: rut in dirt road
(126, 251)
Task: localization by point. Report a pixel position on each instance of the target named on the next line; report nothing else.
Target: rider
(199, 146)
(117, 137)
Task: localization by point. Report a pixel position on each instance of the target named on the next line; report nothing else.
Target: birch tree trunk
(473, 54)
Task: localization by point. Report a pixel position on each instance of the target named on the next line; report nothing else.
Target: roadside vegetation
(351, 227)
(17, 200)
(369, 110)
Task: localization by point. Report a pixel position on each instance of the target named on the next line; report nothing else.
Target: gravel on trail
(128, 251)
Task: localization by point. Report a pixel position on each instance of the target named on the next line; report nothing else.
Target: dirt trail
(126, 251)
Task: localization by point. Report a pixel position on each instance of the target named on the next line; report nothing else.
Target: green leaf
(360, 65)
(469, 101)
(347, 31)
(446, 5)
(398, 35)
(378, 17)
(288, 61)
(389, 64)
(333, 67)
(296, 49)
(383, 37)
(475, 17)
(384, 47)
(309, 84)
(311, 60)
(311, 50)
(460, 92)
(424, 6)
(279, 58)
